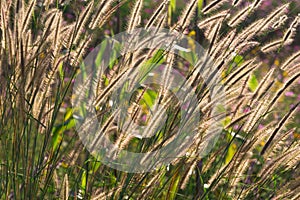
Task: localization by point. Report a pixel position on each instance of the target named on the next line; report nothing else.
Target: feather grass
(134, 20)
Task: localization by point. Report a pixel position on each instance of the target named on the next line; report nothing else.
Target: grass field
(228, 83)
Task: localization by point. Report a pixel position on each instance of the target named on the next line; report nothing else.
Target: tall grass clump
(256, 156)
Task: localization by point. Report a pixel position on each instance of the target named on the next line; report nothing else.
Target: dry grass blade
(223, 44)
(283, 143)
(236, 2)
(240, 16)
(77, 56)
(287, 39)
(65, 188)
(288, 83)
(205, 22)
(261, 88)
(187, 14)
(157, 14)
(293, 69)
(276, 45)
(107, 13)
(281, 160)
(256, 3)
(214, 34)
(271, 18)
(290, 190)
(256, 115)
(166, 75)
(27, 17)
(119, 79)
(290, 33)
(135, 18)
(280, 125)
(188, 174)
(57, 38)
(243, 73)
(236, 72)
(81, 22)
(98, 18)
(238, 119)
(213, 6)
(239, 172)
(290, 61)
(281, 21)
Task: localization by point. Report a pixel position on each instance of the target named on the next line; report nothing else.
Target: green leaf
(57, 133)
(230, 153)
(68, 114)
(83, 182)
(149, 97)
(237, 61)
(226, 121)
(253, 83)
(231, 149)
(173, 5)
(56, 138)
(173, 187)
(61, 71)
(200, 5)
(151, 64)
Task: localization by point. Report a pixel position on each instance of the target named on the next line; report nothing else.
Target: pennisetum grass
(256, 157)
